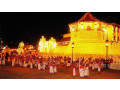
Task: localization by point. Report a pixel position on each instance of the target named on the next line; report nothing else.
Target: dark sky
(30, 26)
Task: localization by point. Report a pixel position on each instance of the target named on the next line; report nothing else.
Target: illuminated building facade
(89, 35)
(47, 46)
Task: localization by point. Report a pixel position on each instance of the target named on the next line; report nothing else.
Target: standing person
(86, 71)
(44, 64)
(3, 59)
(39, 66)
(55, 68)
(81, 71)
(51, 68)
(99, 66)
(96, 63)
(74, 69)
(13, 61)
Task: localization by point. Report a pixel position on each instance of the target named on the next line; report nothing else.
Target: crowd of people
(41, 62)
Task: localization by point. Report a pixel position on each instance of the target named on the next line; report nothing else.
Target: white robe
(55, 69)
(3, 62)
(86, 72)
(44, 66)
(21, 63)
(51, 69)
(104, 65)
(25, 64)
(99, 69)
(96, 65)
(81, 72)
(31, 65)
(74, 72)
(36, 64)
(13, 63)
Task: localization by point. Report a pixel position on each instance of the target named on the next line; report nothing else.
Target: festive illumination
(89, 35)
(21, 44)
(6, 50)
(47, 46)
(20, 49)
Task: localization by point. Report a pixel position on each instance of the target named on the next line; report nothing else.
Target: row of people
(41, 62)
(84, 65)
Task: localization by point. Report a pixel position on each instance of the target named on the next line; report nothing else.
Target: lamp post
(107, 43)
(72, 51)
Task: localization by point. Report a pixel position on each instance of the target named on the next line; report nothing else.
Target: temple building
(47, 46)
(89, 36)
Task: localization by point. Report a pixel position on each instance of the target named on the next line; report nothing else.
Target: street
(64, 72)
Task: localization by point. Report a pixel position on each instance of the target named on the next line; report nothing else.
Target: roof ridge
(88, 17)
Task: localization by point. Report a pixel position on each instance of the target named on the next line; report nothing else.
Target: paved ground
(17, 72)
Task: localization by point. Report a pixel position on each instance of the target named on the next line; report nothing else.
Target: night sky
(30, 26)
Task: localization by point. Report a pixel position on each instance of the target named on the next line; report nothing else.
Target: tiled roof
(88, 17)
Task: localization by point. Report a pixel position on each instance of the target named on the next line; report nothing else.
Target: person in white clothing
(3, 59)
(44, 65)
(86, 71)
(81, 71)
(55, 68)
(51, 69)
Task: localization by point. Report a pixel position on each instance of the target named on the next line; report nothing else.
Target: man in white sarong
(81, 71)
(55, 68)
(44, 65)
(86, 72)
(74, 70)
(13, 61)
(3, 59)
(51, 68)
